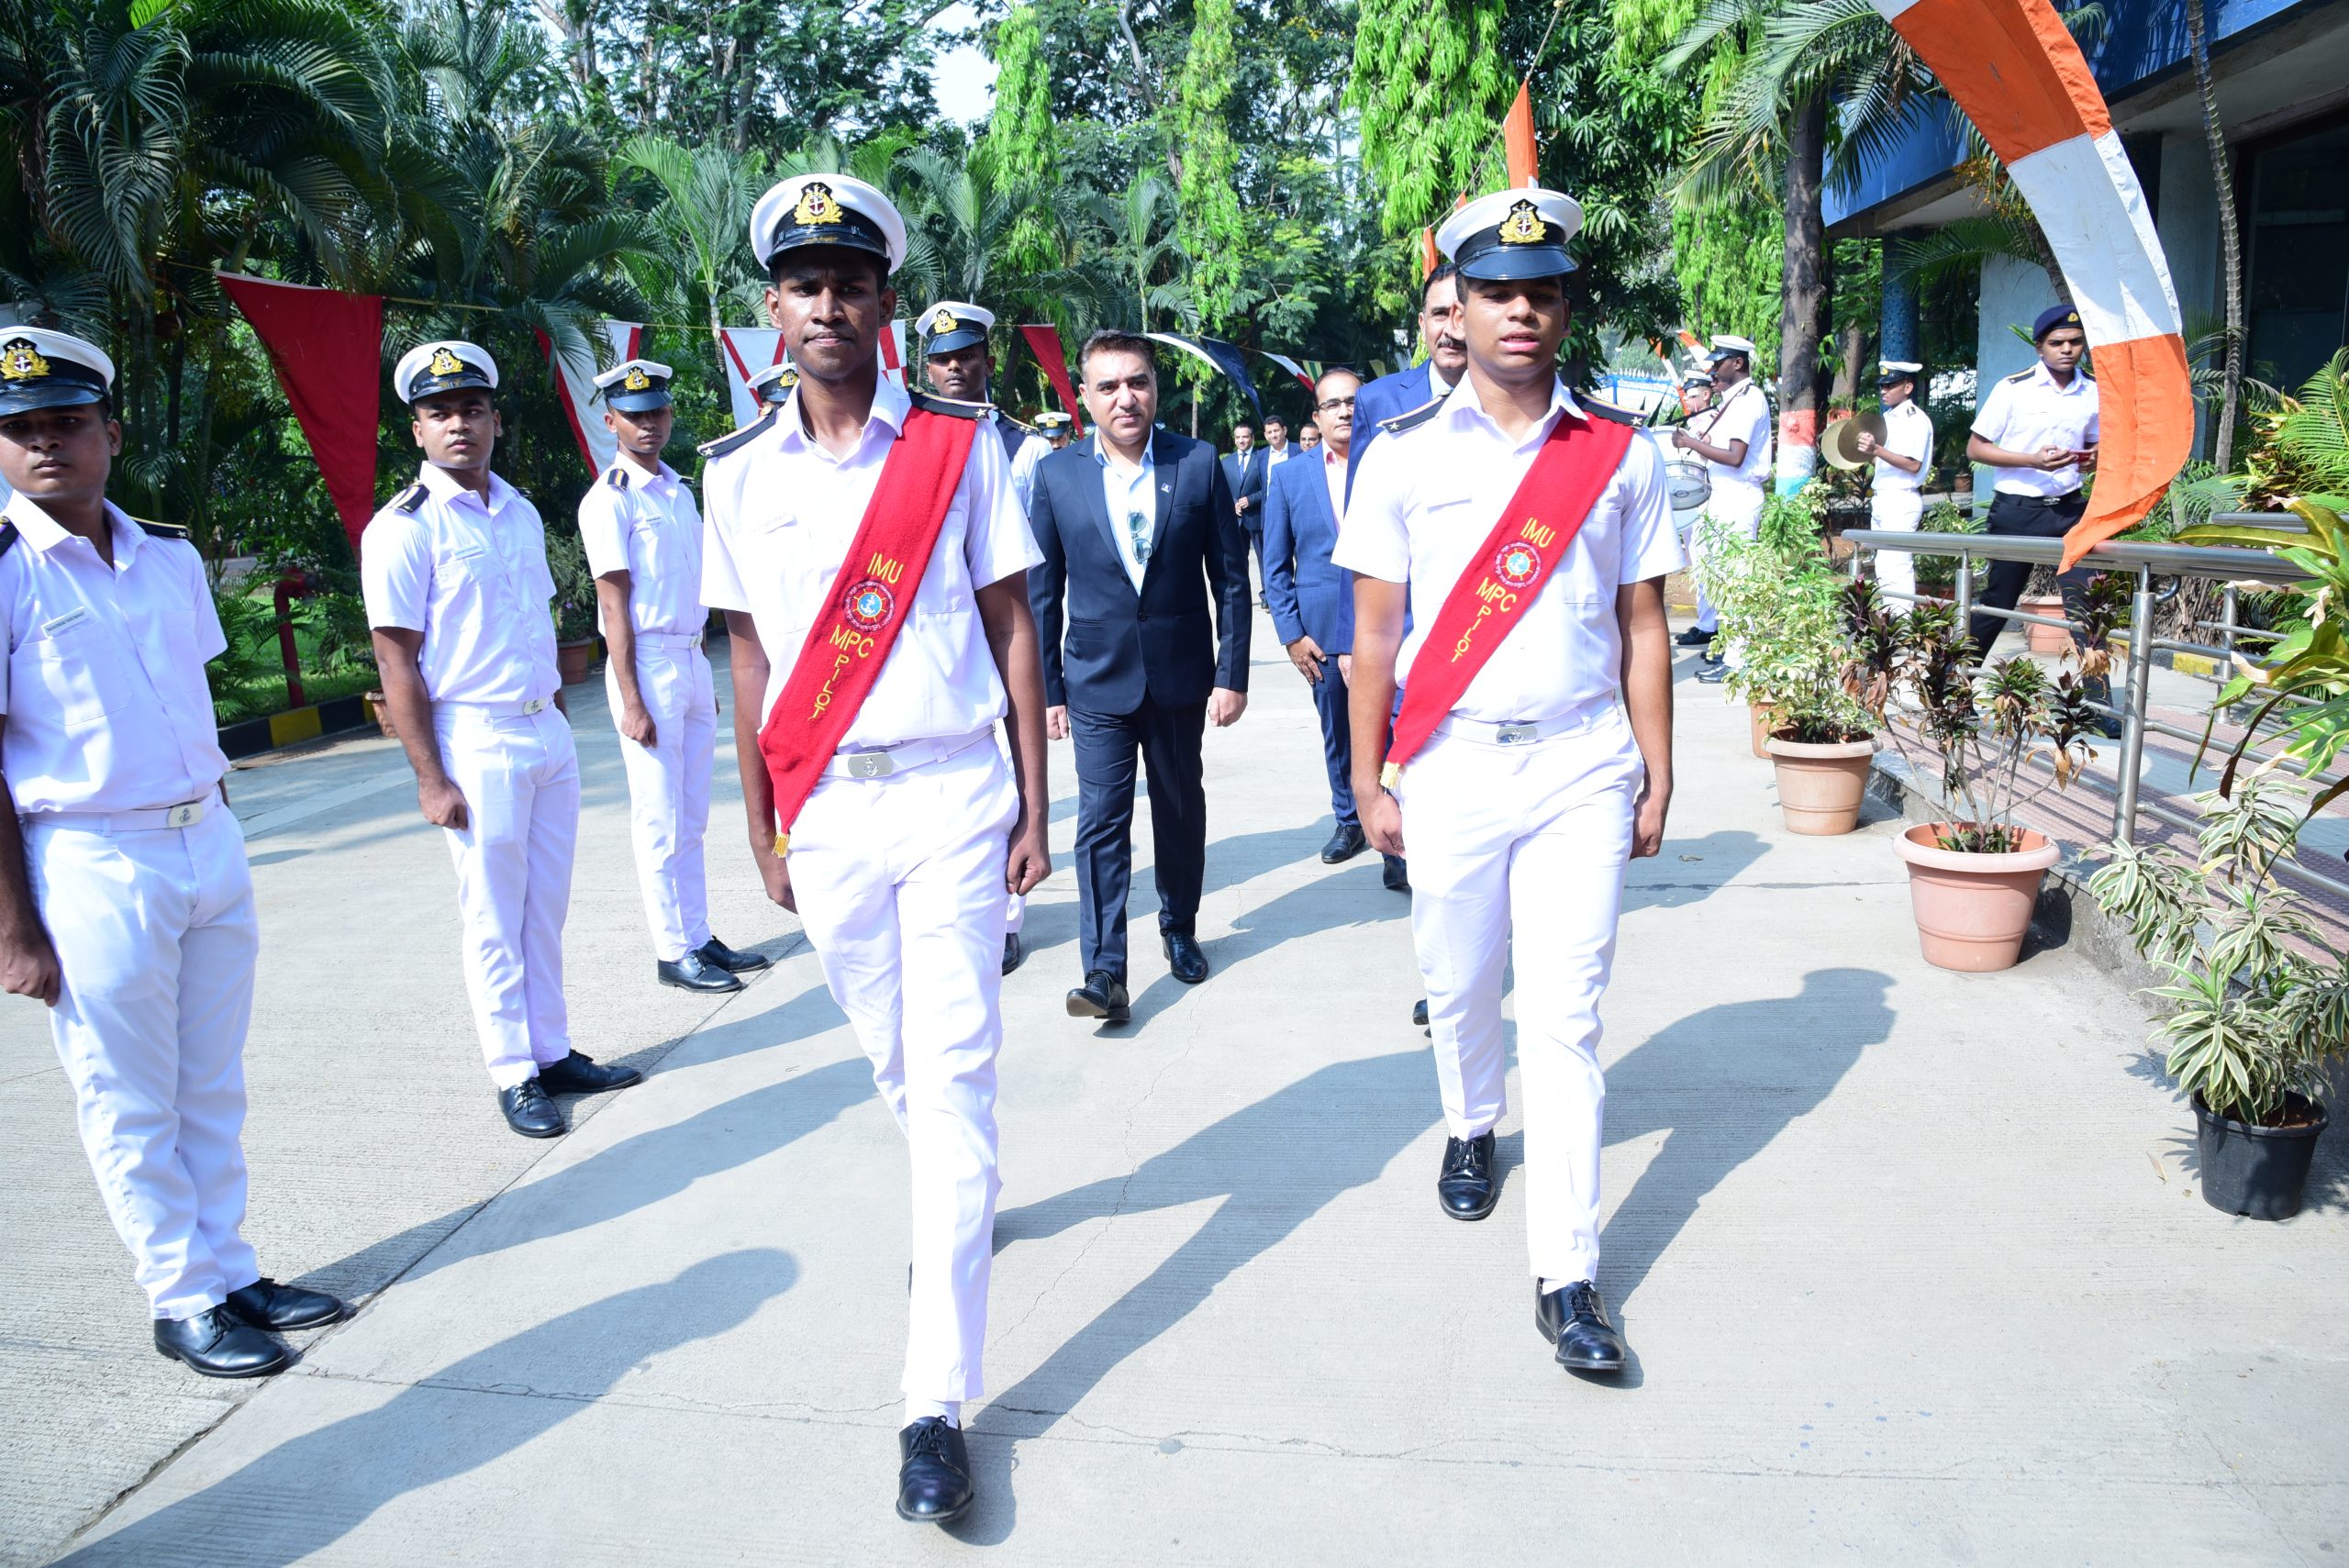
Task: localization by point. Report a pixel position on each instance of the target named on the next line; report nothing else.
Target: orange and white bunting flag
(2011, 65)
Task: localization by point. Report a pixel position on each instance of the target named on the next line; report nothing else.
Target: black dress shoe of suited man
(218, 1343)
(731, 961)
(1574, 1319)
(529, 1112)
(1183, 959)
(694, 971)
(577, 1075)
(1343, 845)
(265, 1304)
(934, 1477)
(1692, 637)
(1103, 996)
(1467, 1186)
(1395, 874)
(1015, 951)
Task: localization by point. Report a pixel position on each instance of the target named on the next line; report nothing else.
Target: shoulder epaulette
(8, 535)
(1020, 426)
(409, 499)
(2021, 375)
(1591, 406)
(617, 476)
(161, 530)
(711, 450)
(952, 406)
(1414, 419)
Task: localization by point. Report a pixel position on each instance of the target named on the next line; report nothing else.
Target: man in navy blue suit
(1142, 548)
(1313, 601)
(1246, 468)
(1391, 396)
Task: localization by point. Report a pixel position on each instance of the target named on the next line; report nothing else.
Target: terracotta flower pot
(1764, 721)
(573, 660)
(1971, 909)
(1820, 785)
(2045, 638)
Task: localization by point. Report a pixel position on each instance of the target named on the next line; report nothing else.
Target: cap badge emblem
(817, 204)
(1523, 226)
(789, 379)
(636, 379)
(941, 322)
(445, 363)
(21, 362)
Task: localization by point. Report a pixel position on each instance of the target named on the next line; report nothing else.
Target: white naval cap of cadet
(774, 383)
(1890, 371)
(1516, 233)
(43, 368)
(825, 209)
(1730, 343)
(635, 387)
(447, 365)
(952, 324)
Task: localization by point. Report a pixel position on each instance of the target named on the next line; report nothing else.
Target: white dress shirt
(2027, 411)
(650, 529)
(103, 687)
(1276, 456)
(1907, 432)
(780, 513)
(472, 575)
(1742, 415)
(1431, 495)
(1333, 474)
(1129, 494)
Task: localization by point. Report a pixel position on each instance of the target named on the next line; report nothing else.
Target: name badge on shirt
(65, 622)
(466, 551)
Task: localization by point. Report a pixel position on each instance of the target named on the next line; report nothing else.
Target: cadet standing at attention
(961, 366)
(126, 903)
(869, 552)
(1517, 776)
(1896, 498)
(455, 575)
(643, 536)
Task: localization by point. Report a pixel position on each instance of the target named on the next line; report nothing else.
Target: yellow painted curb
(301, 724)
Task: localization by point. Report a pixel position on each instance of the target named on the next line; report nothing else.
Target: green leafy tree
(1208, 198)
(1430, 83)
(1019, 138)
(1728, 260)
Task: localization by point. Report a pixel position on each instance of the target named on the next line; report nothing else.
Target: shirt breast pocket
(79, 670)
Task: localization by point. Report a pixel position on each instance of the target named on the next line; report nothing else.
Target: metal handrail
(2145, 562)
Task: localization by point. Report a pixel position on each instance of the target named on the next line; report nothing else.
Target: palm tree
(1136, 240)
(705, 196)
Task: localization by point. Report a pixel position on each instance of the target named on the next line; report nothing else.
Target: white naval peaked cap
(774, 383)
(645, 371)
(43, 368)
(1730, 343)
(952, 324)
(826, 209)
(1895, 368)
(1520, 232)
(445, 365)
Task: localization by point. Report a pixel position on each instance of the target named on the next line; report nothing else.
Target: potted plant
(2259, 1001)
(575, 607)
(1997, 740)
(1748, 579)
(1821, 741)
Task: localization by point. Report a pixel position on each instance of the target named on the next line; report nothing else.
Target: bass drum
(1692, 483)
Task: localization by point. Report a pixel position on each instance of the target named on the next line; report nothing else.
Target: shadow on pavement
(1674, 878)
(309, 1492)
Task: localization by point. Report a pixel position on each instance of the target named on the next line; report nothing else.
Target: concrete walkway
(1913, 1263)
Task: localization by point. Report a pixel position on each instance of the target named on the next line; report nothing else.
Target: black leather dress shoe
(1343, 845)
(1183, 959)
(265, 1304)
(1015, 951)
(1395, 875)
(731, 961)
(696, 972)
(1467, 1186)
(1692, 637)
(1574, 1319)
(218, 1343)
(529, 1112)
(1419, 1012)
(934, 1473)
(577, 1075)
(1103, 996)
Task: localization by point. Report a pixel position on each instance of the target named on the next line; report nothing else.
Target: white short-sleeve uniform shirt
(107, 704)
(1907, 431)
(2027, 411)
(780, 512)
(647, 526)
(1742, 413)
(472, 575)
(1424, 502)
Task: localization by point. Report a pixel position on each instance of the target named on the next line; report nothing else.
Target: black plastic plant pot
(2257, 1172)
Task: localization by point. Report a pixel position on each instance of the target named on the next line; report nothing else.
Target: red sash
(867, 605)
(1516, 559)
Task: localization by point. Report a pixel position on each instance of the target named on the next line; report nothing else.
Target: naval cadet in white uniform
(916, 827)
(1553, 767)
(1733, 438)
(126, 903)
(1903, 461)
(642, 535)
(454, 572)
(961, 365)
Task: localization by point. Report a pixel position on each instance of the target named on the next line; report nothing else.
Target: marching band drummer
(1532, 757)
(870, 555)
(125, 902)
(1896, 499)
(454, 572)
(643, 536)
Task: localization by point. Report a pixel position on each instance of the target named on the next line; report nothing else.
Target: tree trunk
(1803, 300)
(2222, 181)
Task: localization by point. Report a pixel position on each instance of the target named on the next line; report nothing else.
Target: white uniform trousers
(155, 932)
(668, 788)
(1531, 836)
(1895, 570)
(520, 775)
(899, 883)
(1739, 506)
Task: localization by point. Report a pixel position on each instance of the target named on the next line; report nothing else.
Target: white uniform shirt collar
(2042, 376)
(890, 402)
(446, 487)
(661, 481)
(45, 533)
(1463, 406)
